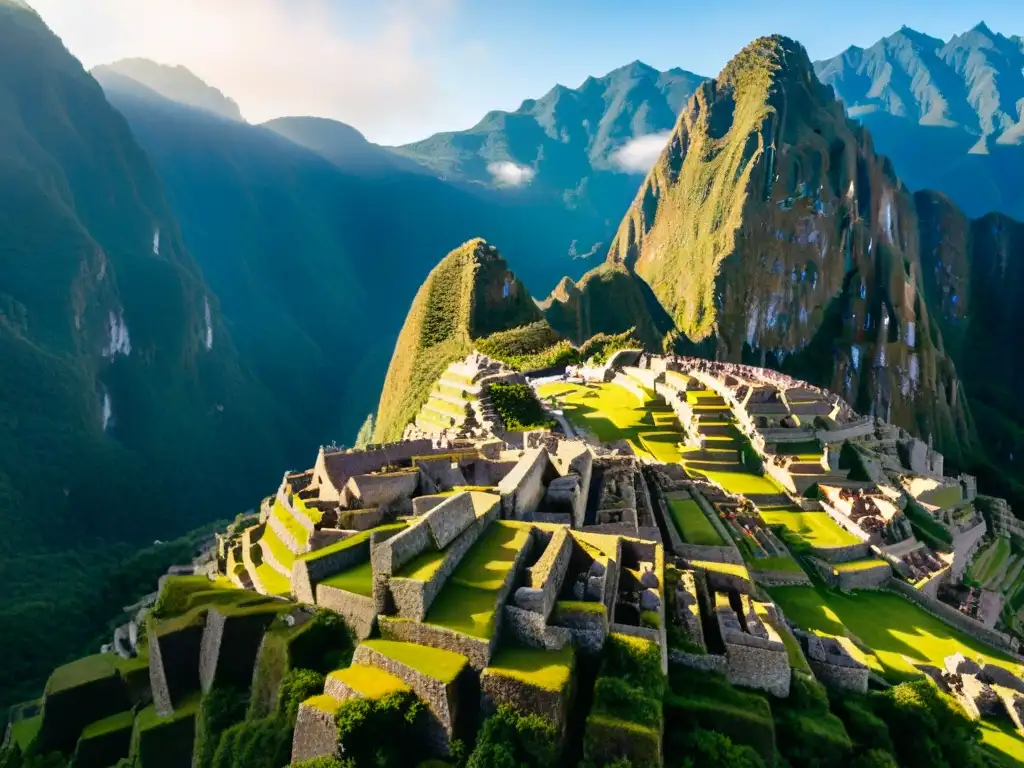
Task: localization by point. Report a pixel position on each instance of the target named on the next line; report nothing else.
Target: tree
(365, 436)
(702, 747)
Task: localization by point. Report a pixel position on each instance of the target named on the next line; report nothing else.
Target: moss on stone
(549, 670)
(437, 663)
(370, 682)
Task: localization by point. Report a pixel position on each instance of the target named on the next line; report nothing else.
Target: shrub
(746, 721)
(509, 739)
(864, 726)
(616, 697)
(812, 739)
(324, 645)
(384, 732)
(699, 748)
(927, 726)
(874, 758)
(598, 349)
(220, 709)
(635, 660)
(519, 407)
(531, 347)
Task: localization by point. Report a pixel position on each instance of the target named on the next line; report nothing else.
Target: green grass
(439, 664)
(120, 722)
(467, 601)
(24, 732)
(613, 413)
(860, 565)
(324, 703)
(519, 408)
(283, 516)
(358, 580)
(739, 482)
(779, 563)
(942, 497)
(351, 541)
(284, 556)
(549, 670)
(988, 563)
(371, 682)
(423, 566)
(814, 528)
(1001, 735)
(80, 672)
(692, 524)
(898, 632)
(147, 718)
(728, 568)
(797, 660)
(273, 582)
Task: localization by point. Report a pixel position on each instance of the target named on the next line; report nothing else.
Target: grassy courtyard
(692, 524)
(613, 413)
(468, 601)
(358, 580)
(814, 528)
(899, 633)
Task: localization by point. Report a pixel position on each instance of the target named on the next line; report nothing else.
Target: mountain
(127, 412)
(470, 294)
(174, 83)
(947, 112)
(771, 232)
(580, 150)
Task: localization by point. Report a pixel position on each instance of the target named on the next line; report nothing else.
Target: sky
(401, 70)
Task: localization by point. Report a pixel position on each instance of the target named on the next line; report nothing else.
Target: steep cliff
(771, 232)
(469, 295)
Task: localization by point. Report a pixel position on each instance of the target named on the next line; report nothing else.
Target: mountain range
(188, 301)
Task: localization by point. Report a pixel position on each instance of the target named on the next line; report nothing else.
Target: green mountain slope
(126, 413)
(470, 294)
(770, 232)
(947, 112)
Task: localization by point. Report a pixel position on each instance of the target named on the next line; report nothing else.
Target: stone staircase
(459, 402)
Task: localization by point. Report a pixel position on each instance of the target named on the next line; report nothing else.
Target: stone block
(531, 629)
(423, 504)
(316, 734)
(499, 689)
(358, 611)
(452, 517)
(523, 488)
(390, 555)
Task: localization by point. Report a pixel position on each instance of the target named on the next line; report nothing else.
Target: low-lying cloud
(639, 154)
(508, 174)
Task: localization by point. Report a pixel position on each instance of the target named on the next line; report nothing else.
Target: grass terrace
(358, 580)
(899, 633)
(468, 600)
(811, 527)
(692, 524)
(119, 722)
(422, 567)
(81, 671)
(613, 413)
(549, 670)
(776, 563)
(324, 703)
(860, 565)
(990, 562)
(437, 663)
(351, 541)
(273, 582)
(279, 512)
(371, 682)
(942, 497)
(728, 568)
(24, 731)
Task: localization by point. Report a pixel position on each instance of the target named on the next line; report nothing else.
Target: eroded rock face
(771, 233)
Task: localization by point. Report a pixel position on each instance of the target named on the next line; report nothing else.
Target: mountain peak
(176, 83)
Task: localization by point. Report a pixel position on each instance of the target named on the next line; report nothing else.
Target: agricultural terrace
(692, 524)
(812, 527)
(468, 600)
(611, 413)
(987, 568)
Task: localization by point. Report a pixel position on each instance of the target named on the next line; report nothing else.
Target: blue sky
(400, 70)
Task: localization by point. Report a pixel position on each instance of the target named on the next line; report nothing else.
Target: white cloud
(511, 175)
(639, 155)
(379, 70)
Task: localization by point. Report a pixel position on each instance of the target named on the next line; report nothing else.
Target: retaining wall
(523, 488)
(306, 573)
(316, 734)
(358, 611)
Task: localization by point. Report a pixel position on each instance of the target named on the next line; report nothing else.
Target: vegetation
(384, 732)
(549, 670)
(533, 347)
(519, 408)
(439, 664)
(509, 739)
(692, 524)
(599, 348)
(371, 682)
(696, 748)
(468, 295)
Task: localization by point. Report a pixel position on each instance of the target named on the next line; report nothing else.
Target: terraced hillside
(470, 294)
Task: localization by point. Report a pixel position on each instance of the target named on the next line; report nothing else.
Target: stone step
(456, 386)
(433, 674)
(361, 680)
(444, 406)
(457, 400)
(437, 415)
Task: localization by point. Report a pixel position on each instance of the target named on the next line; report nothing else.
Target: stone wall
(247, 561)
(544, 579)
(845, 522)
(361, 519)
(705, 662)
(446, 521)
(866, 578)
(761, 666)
(307, 573)
(381, 490)
(832, 665)
(209, 651)
(523, 488)
(711, 554)
(531, 629)
(389, 556)
(954, 618)
(440, 698)
(836, 555)
(780, 578)
(423, 504)
(497, 689)
(358, 611)
(588, 628)
(332, 470)
(412, 599)
(316, 734)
